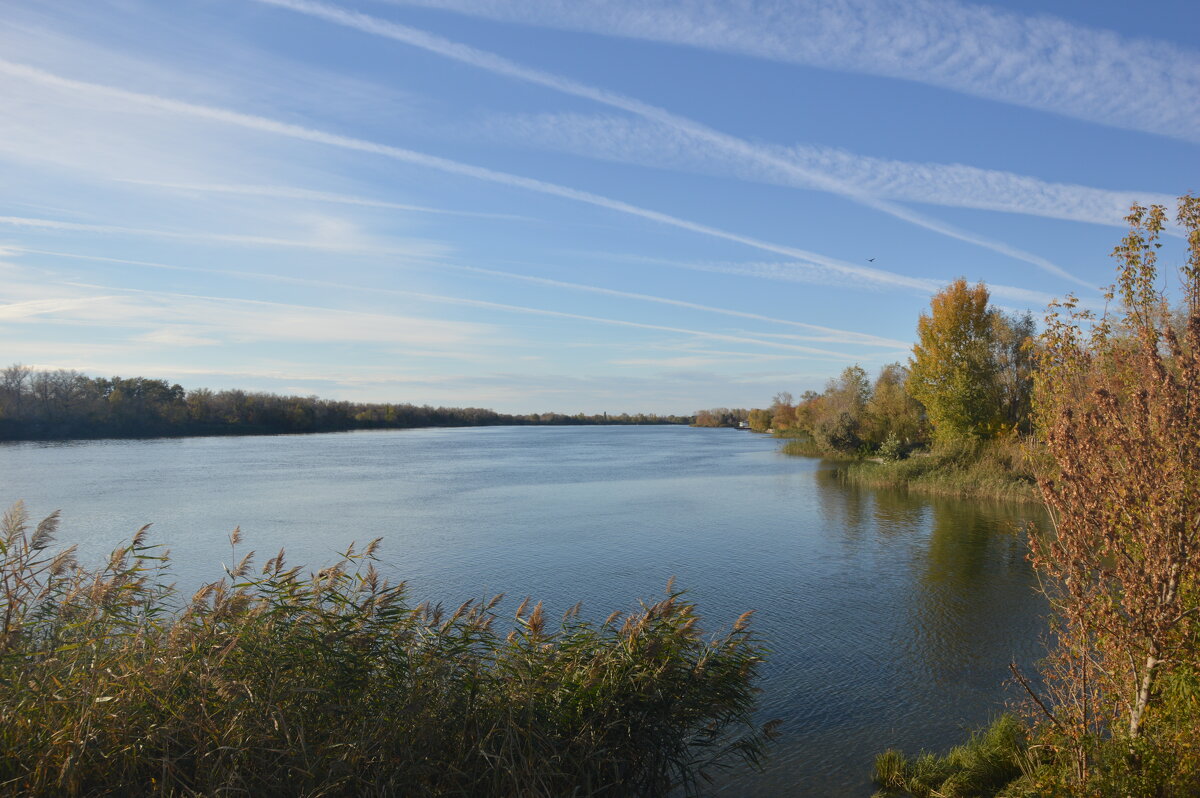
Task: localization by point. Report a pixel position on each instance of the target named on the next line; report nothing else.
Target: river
(890, 618)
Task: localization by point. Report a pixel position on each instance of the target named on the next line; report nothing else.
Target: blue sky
(565, 205)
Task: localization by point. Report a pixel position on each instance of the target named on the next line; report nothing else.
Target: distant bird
(870, 260)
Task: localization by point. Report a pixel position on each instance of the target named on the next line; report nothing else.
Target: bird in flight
(870, 260)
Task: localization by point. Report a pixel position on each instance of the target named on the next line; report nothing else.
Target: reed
(270, 681)
(997, 470)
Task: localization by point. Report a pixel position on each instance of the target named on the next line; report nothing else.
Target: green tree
(954, 372)
(892, 412)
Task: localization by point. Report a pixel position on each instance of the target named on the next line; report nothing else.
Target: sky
(564, 205)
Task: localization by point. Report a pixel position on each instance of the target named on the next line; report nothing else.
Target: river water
(890, 618)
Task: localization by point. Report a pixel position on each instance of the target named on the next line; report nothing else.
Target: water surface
(890, 618)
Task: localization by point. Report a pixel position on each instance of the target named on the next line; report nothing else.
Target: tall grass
(991, 761)
(273, 682)
(990, 470)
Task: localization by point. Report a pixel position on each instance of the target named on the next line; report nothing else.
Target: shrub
(278, 683)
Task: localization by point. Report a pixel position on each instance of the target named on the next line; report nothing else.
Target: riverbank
(998, 471)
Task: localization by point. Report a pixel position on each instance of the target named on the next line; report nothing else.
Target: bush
(278, 683)
(990, 761)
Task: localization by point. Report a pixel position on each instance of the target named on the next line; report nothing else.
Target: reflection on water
(890, 618)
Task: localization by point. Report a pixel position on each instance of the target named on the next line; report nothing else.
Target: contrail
(290, 192)
(424, 296)
(108, 229)
(266, 125)
(848, 337)
(500, 65)
(1035, 60)
(841, 336)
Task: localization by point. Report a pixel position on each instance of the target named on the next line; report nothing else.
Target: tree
(1117, 402)
(953, 367)
(760, 420)
(838, 424)
(783, 412)
(892, 412)
(1013, 351)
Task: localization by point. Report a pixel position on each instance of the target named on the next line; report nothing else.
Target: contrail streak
(500, 65)
(743, 339)
(266, 125)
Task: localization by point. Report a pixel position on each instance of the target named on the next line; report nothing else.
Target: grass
(273, 682)
(991, 761)
(805, 446)
(997, 470)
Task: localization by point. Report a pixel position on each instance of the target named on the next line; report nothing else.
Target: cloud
(1039, 62)
(799, 272)
(826, 334)
(644, 143)
(309, 195)
(722, 141)
(324, 234)
(306, 325)
(269, 126)
(163, 316)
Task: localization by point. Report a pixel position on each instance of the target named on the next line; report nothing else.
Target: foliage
(892, 413)
(759, 420)
(991, 760)
(838, 424)
(953, 368)
(331, 684)
(66, 404)
(720, 417)
(1014, 353)
(1118, 405)
(994, 470)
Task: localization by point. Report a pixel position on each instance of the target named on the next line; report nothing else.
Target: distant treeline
(41, 405)
(721, 417)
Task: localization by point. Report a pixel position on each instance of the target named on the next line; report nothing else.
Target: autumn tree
(1117, 401)
(953, 367)
(760, 420)
(892, 412)
(838, 424)
(783, 410)
(1014, 354)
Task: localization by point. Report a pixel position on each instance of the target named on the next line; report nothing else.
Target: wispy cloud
(727, 143)
(800, 272)
(636, 141)
(171, 316)
(1034, 61)
(309, 195)
(273, 127)
(325, 237)
(746, 338)
(826, 334)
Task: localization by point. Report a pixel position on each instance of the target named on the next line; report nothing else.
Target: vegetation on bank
(1116, 404)
(272, 682)
(997, 470)
(954, 420)
(45, 405)
(721, 417)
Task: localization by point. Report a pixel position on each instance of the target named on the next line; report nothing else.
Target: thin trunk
(1143, 697)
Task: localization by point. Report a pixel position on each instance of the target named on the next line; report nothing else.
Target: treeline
(970, 379)
(40, 405)
(721, 417)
